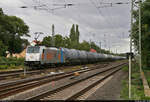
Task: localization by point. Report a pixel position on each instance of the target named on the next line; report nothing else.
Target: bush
(11, 62)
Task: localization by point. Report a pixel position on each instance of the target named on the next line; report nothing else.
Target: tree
(12, 29)
(3, 49)
(47, 41)
(145, 32)
(72, 42)
(72, 33)
(84, 46)
(77, 34)
(59, 41)
(1, 11)
(74, 36)
(67, 42)
(25, 43)
(94, 46)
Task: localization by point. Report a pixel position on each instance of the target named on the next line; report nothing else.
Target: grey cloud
(114, 22)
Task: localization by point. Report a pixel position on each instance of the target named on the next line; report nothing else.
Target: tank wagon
(41, 56)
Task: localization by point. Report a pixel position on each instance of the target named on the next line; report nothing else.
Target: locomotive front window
(33, 49)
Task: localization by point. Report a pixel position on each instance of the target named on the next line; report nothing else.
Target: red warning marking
(53, 83)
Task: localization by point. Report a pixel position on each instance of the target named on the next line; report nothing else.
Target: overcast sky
(108, 25)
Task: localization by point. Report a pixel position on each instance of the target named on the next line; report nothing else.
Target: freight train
(42, 56)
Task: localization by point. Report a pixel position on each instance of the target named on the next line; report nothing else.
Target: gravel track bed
(94, 89)
(50, 86)
(72, 90)
(9, 79)
(39, 76)
(110, 90)
(54, 76)
(45, 72)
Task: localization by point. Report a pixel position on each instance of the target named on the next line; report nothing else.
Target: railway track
(22, 85)
(73, 90)
(14, 87)
(18, 73)
(7, 72)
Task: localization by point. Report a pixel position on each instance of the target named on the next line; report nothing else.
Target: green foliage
(72, 34)
(11, 61)
(77, 34)
(67, 42)
(84, 46)
(147, 73)
(72, 41)
(1, 11)
(137, 89)
(47, 41)
(145, 32)
(3, 67)
(12, 29)
(125, 68)
(2, 49)
(59, 41)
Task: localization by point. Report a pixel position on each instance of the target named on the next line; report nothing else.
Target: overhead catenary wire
(100, 13)
(116, 23)
(110, 17)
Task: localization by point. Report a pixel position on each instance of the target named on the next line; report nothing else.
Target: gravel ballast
(110, 90)
(49, 86)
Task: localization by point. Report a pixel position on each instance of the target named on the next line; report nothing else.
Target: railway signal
(130, 54)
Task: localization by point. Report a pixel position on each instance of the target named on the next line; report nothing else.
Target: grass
(125, 68)
(137, 89)
(147, 74)
(9, 68)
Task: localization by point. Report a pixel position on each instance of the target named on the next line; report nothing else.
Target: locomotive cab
(33, 54)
